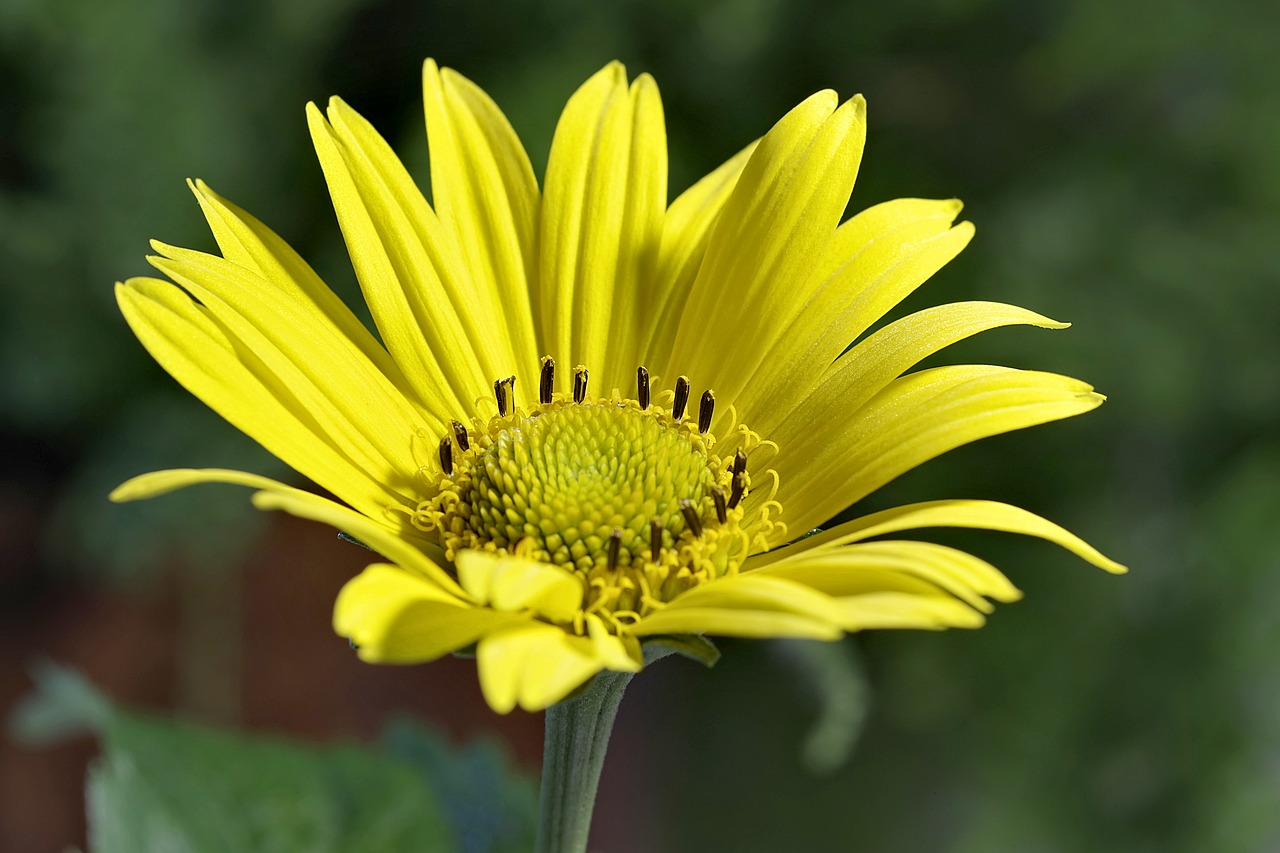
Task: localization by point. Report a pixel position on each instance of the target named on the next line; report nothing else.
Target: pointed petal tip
(314, 116)
(335, 108)
(149, 485)
(824, 100)
(644, 80)
(201, 190)
(1102, 561)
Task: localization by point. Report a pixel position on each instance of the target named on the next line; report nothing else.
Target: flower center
(566, 479)
(630, 495)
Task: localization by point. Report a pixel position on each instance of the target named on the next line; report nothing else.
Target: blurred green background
(1121, 159)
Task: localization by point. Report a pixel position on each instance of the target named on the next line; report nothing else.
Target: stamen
(615, 544)
(682, 398)
(739, 463)
(722, 513)
(547, 382)
(500, 394)
(691, 516)
(705, 409)
(579, 384)
(460, 433)
(739, 486)
(642, 388)
(655, 538)
(446, 456)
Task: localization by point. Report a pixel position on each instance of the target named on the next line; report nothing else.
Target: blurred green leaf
(166, 786)
(175, 787)
(64, 704)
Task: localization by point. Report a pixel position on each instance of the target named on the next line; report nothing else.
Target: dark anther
(460, 433)
(739, 462)
(642, 388)
(500, 394)
(705, 408)
(682, 398)
(615, 544)
(511, 391)
(739, 487)
(446, 456)
(691, 516)
(655, 538)
(579, 384)
(547, 382)
(722, 510)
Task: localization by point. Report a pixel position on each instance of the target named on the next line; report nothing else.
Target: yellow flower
(595, 418)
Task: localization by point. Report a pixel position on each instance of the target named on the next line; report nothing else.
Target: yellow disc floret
(565, 479)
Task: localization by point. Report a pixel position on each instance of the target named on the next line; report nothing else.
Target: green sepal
(693, 646)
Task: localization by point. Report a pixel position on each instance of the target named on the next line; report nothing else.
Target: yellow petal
(914, 419)
(985, 515)
(864, 273)
(640, 235)
(384, 533)
(395, 617)
(898, 221)
(882, 610)
(206, 360)
(746, 606)
(291, 346)
(686, 230)
(533, 666)
(514, 583)
(245, 241)
(866, 369)
(783, 211)
(485, 193)
(876, 361)
(412, 277)
(159, 483)
(922, 567)
(404, 547)
(732, 622)
(620, 654)
(605, 195)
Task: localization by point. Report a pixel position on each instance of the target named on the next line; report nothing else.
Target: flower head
(595, 419)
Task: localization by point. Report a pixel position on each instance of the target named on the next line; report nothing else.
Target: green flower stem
(577, 736)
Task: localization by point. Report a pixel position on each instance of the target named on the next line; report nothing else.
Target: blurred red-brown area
(287, 672)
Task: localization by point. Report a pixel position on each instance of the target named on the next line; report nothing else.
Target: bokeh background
(1121, 159)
